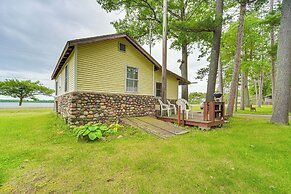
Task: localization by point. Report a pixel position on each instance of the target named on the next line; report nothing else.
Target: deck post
(179, 115)
(212, 111)
(205, 111)
(183, 119)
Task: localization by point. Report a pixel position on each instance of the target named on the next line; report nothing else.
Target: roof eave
(65, 54)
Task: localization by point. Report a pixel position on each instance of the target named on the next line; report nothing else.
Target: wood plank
(189, 122)
(164, 125)
(131, 123)
(134, 122)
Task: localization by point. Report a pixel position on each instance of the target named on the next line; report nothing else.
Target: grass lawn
(38, 153)
(264, 110)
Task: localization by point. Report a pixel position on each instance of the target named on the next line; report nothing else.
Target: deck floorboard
(195, 119)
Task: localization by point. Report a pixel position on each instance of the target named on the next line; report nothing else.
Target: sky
(34, 32)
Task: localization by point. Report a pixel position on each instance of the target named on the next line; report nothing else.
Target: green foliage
(185, 19)
(202, 73)
(23, 89)
(256, 52)
(196, 97)
(94, 132)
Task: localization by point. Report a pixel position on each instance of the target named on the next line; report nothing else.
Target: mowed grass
(38, 153)
(264, 110)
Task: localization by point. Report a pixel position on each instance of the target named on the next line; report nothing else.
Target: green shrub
(92, 132)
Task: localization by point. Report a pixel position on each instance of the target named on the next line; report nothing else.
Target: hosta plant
(95, 131)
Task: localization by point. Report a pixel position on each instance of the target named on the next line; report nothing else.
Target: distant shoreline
(14, 105)
(27, 101)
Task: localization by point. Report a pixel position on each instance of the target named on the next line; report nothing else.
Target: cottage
(105, 78)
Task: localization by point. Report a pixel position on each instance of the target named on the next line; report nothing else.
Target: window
(60, 81)
(56, 88)
(158, 89)
(122, 47)
(131, 79)
(66, 78)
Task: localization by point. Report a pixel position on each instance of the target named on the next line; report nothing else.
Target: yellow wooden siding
(172, 84)
(71, 75)
(102, 67)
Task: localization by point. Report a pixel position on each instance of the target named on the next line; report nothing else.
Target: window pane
(122, 47)
(135, 85)
(56, 88)
(158, 93)
(129, 72)
(129, 85)
(159, 85)
(132, 73)
(158, 89)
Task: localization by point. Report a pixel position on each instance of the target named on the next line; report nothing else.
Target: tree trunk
(256, 89)
(184, 70)
(164, 67)
(214, 53)
(236, 98)
(283, 70)
(261, 84)
(246, 93)
(150, 38)
(272, 37)
(20, 101)
(220, 79)
(242, 92)
(237, 60)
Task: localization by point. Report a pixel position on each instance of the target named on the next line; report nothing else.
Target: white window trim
(126, 66)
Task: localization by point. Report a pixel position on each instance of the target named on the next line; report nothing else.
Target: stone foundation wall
(79, 108)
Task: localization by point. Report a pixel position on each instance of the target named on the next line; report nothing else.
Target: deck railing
(213, 111)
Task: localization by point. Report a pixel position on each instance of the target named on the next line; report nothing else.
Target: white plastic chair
(172, 106)
(183, 103)
(165, 107)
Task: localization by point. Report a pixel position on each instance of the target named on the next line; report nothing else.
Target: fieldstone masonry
(79, 108)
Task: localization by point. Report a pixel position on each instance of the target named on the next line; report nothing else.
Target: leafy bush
(96, 131)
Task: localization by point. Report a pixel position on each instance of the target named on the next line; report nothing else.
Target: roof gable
(70, 45)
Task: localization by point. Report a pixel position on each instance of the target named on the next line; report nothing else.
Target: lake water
(25, 105)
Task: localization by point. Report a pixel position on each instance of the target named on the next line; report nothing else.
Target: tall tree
(283, 74)
(242, 91)
(272, 41)
(220, 78)
(215, 53)
(165, 39)
(23, 89)
(261, 85)
(237, 59)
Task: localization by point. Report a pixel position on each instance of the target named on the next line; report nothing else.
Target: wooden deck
(154, 126)
(195, 119)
